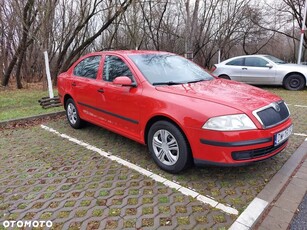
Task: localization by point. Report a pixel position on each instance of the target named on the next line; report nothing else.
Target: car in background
(182, 113)
(262, 70)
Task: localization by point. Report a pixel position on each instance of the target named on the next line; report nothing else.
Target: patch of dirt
(29, 122)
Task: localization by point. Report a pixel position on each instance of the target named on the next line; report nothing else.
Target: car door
(256, 71)
(84, 89)
(119, 105)
(233, 68)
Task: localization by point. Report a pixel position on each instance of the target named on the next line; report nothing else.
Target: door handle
(73, 84)
(100, 90)
(244, 68)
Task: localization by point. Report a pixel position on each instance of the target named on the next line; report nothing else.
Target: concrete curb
(258, 207)
(24, 119)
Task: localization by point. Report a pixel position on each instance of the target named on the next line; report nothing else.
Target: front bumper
(236, 148)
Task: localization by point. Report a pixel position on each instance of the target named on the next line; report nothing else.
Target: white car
(262, 70)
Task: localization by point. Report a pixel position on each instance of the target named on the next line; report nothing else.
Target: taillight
(213, 68)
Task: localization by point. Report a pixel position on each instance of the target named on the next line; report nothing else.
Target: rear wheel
(72, 114)
(294, 82)
(224, 76)
(168, 147)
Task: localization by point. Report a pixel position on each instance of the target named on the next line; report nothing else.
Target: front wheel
(72, 114)
(294, 82)
(168, 147)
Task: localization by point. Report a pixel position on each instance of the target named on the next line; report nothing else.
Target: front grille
(272, 114)
(255, 153)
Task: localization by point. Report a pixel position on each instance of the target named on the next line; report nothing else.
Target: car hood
(229, 93)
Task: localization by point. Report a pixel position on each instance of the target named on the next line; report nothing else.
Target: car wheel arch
(293, 73)
(66, 97)
(156, 118)
(224, 76)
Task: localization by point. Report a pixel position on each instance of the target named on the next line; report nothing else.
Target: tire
(294, 82)
(224, 76)
(162, 136)
(72, 114)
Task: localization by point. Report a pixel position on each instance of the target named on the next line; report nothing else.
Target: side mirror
(269, 65)
(123, 81)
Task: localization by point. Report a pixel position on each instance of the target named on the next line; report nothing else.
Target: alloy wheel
(72, 113)
(165, 147)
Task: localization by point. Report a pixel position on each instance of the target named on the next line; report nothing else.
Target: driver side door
(120, 104)
(256, 71)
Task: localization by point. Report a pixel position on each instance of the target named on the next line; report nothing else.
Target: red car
(183, 114)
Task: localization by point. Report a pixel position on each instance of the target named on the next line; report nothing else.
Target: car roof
(254, 55)
(251, 55)
(243, 56)
(130, 52)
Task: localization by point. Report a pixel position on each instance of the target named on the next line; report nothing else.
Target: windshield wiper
(196, 81)
(167, 83)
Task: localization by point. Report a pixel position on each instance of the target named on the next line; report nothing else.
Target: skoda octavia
(183, 114)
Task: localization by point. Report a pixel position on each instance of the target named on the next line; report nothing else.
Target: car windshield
(168, 69)
(275, 59)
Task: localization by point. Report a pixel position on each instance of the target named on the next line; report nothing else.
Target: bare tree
(295, 12)
(191, 21)
(65, 29)
(153, 14)
(285, 19)
(88, 10)
(28, 16)
(68, 29)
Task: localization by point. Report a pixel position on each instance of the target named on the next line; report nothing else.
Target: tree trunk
(18, 69)
(2, 49)
(7, 74)
(27, 21)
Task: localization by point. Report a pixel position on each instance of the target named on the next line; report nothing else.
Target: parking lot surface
(46, 177)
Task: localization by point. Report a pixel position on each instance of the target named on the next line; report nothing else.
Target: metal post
(48, 75)
(302, 35)
(219, 33)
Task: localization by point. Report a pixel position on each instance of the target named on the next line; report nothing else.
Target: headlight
(229, 123)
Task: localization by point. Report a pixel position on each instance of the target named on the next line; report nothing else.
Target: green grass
(22, 103)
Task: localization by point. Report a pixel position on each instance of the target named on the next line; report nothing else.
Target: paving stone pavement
(235, 186)
(43, 177)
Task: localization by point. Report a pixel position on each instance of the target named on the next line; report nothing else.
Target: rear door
(84, 85)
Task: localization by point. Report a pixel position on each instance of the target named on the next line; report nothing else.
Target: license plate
(282, 135)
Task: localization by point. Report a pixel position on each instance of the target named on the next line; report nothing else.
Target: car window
(236, 62)
(275, 59)
(88, 67)
(115, 67)
(255, 61)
